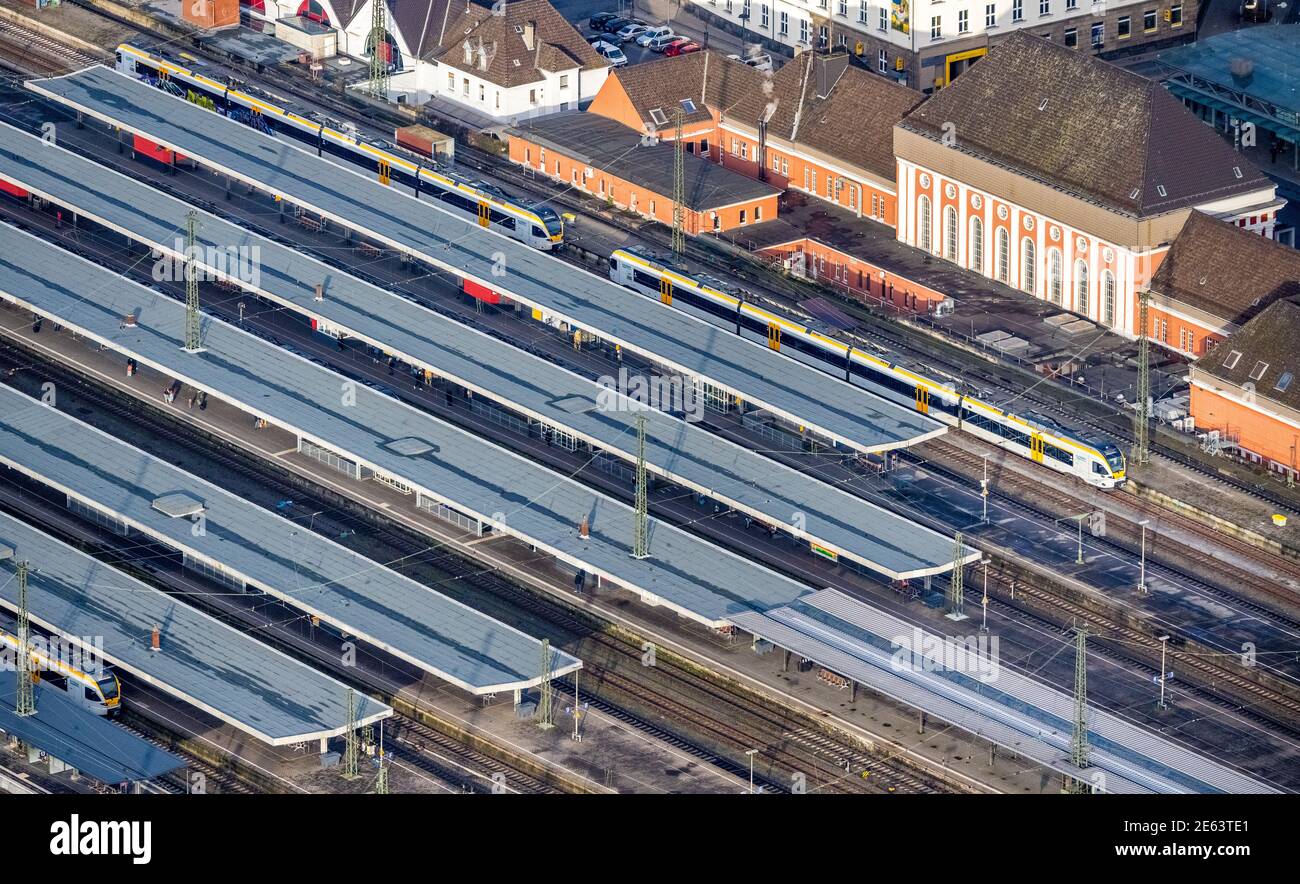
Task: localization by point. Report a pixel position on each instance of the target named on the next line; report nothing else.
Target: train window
(91, 694)
(538, 233)
(59, 681)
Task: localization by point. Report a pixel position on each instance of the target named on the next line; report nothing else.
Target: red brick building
(817, 125)
(1214, 278)
(633, 171)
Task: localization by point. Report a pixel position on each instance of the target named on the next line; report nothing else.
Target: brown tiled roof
(818, 101)
(1225, 270)
(556, 45)
(707, 78)
(1267, 345)
(843, 111)
(1075, 122)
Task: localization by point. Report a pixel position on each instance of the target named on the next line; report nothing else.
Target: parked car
(597, 21)
(644, 38)
(615, 24)
(610, 52)
(660, 44)
(682, 47)
(757, 62)
(630, 32)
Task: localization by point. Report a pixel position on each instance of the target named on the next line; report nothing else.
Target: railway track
(28, 49)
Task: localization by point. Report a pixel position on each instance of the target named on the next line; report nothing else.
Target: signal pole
(1141, 408)
(381, 782)
(193, 343)
(679, 191)
(641, 525)
(26, 704)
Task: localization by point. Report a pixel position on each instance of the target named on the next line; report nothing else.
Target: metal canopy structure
(676, 450)
(85, 741)
(202, 661)
(258, 548)
(960, 685)
(1252, 74)
(836, 410)
(481, 480)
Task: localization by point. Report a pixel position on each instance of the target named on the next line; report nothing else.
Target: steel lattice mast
(1079, 741)
(956, 588)
(26, 704)
(1142, 407)
(545, 698)
(679, 191)
(378, 55)
(351, 744)
(641, 527)
(193, 341)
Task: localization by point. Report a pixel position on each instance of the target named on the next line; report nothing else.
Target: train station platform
(367, 435)
(534, 388)
(841, 413)
(250, 548)
(963, 682)
(77, 739)
(200, 660)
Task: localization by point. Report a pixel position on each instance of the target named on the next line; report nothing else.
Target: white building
(925, 43)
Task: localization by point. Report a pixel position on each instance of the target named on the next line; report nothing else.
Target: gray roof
(203, 661)
(89, 742)
(613, 148)
(685, 453)
(977, 692)
(538, 505)
(304, 569)
(420, 227)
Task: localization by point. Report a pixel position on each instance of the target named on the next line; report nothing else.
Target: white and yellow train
(100, 693)
(1097, 462)
(540, 227)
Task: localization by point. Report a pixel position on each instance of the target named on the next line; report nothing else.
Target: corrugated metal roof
(871, 535)
(203, 661)
(90, 743)
(423, 228)
(308, 571)
(545, 508)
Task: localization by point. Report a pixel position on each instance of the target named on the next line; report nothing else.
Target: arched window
(1108, 298)
(1004, 255)
(950, 233)
(1028, 264)
(1054, 275)
(923, 223)
(1081, 286)
(314, 11)
(976, 245)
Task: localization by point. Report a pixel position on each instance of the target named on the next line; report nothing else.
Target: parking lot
(652, 12)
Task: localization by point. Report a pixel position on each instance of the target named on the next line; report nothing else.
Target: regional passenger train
(100, 695)
(1097, 462)
(539, 227)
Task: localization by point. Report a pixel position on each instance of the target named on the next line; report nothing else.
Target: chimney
(320, 291)
(1243, 70)
(584, 528)
(155, 641)
(530, 34)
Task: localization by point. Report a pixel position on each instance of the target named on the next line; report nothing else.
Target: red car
(682, 47)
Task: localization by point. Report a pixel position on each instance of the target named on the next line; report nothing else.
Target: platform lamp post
(1142, 572)
(984, 490)
(1078, 558)
(1164, 650)
(984, 602)
(751, 753)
